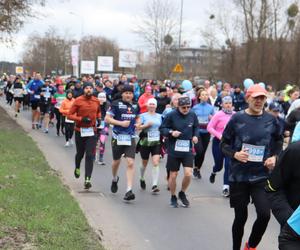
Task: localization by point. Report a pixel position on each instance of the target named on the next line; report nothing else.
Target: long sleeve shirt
(186, 124)
(85, 107)
(218, 123)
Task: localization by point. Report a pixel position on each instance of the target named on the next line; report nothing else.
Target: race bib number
(202, 120)
(85, 132)
(182, 146)
(256, 153)
(37, 96)
(153, 136)
(18, 92)
(68, 121)
(124, 140)
(47, 95)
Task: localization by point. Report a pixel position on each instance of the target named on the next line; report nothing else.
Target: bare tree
(158, 21)
(13, 14)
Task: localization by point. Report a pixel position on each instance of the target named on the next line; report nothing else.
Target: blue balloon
(187, 85)
(262, 85)
(248, 83)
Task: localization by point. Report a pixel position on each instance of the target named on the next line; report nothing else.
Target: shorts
(34, 105)
(145, 151)
(19, 99)
(118, 151)
(241, 192)
(45, 108)
(173, 163)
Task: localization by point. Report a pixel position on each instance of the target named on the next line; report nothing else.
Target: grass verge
(36, 210)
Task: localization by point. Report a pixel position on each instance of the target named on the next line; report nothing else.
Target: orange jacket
(85, 107)
(66, 106)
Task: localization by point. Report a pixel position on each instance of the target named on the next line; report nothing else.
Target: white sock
(115, 178)
(155, 175)
(128, 189)
(142, 169)
(225, 187)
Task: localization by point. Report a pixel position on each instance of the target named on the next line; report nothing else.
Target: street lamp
(180, 30)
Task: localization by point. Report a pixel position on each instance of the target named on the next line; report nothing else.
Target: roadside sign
(105, 63)
(178, 68)
(19, 70)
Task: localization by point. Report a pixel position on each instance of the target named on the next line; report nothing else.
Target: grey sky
(110, 18)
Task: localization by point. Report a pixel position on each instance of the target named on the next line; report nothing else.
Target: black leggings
(288, 239)
(200, 148)
(85, 145)
(60, 120)
(261, 203)
(69, 130)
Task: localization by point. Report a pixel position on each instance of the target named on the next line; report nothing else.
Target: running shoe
(248, 248)
(212, 177)
(71, 142)
(46, 131)
(196, 173)
(16, 115)
(174, 202)
(33, 126)
(87, 183)
(77, 173)
(184, 201)
(155, 189)
(143, 184)
(37, 126)
(114, 185)
(129, 196)
(226, 192)
(67, 144)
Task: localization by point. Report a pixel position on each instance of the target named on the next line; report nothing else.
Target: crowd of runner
(254, 131)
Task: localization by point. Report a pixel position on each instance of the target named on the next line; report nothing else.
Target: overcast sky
(110, 18)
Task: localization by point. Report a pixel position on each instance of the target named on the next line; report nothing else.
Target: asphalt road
(149, 222)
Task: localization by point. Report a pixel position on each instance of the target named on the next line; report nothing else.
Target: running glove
(86, 120)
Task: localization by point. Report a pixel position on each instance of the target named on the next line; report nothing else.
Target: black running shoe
(174, 202)
(195, 172)
(183, 199)
(129, 196)
(114, 185)
(143, 184)
(155, 189)
(77, 173)
(87, 183)
(212, 178)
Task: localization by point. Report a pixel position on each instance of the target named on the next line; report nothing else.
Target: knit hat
(227, 99)
(87, 84)
(127, 88)
(152, 101)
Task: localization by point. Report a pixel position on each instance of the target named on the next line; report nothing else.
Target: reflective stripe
(270, 187)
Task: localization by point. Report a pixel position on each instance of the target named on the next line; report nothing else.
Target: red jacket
(143, 102)
(85, 107)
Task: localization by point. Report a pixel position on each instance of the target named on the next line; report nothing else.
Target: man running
(123, 115)
(252, 140)
(33, 89)
(84, 111)
(181, 128)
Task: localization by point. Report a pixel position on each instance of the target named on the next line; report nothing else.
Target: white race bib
(182, 146)
(124, 140)
(47, 95)
(256, 153)
(102, 125)
(37, 96)
(85, 132)
(153, 135)
(68, 121)
(202, 120)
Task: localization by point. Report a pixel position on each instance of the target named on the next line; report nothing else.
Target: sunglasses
(185, 107)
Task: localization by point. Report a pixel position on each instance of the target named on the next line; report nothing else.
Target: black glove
(86, 120)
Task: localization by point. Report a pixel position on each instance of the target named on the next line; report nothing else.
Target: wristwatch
(170, 131)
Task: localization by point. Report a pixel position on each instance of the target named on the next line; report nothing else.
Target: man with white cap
(252, 140)
(149, 143)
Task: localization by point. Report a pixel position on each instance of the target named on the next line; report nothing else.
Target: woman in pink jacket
(216, 127)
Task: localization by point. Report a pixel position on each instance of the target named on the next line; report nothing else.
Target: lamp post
(180, 30)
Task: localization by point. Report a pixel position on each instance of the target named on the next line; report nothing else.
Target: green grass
(33, 200)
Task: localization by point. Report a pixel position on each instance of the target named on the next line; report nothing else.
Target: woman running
(216, 127)
(204, 112)
(58, 98)
(150, 143)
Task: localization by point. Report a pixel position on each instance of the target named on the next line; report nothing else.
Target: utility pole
(180, 30)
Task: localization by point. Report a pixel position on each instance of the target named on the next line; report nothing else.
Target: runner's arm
(166, 126)
(275, 193)
(226, 140)
(110, 120)
(211, 127)
(72, 115)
